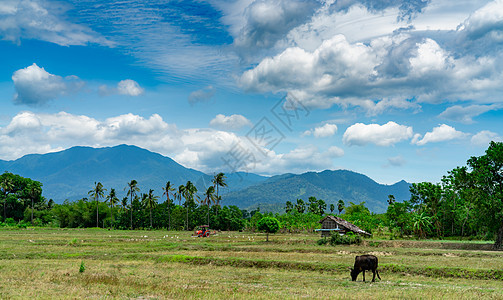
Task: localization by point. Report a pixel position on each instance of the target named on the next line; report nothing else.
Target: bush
(347, 239)
(322, 241)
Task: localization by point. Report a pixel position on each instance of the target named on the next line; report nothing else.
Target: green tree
(219, 181)
(97, 192)
(166, 190)
(150, 202)
(399, 216)
(300, 206)
(133, 188)
(189, 192)
(7, 184)
(421, 222)
(288, 207)
(340, 206)
(113, 200)
(332, 208)
(34, 193)
(268, 225)
(313, 205)
(322, 206)
(427, 197)
(487, 175)
(208, 198)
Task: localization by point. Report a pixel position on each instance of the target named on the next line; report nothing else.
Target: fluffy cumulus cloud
(381, 135)
(486, 22)
(400, 68)
(43, 20)
(484, 137)
(207, 149)
(322, 131)
(233, 122)
(126, 87)
(298, 160)
(465, 114)
(129, 87)
(441, 133)
(35, 86)
(266, 22)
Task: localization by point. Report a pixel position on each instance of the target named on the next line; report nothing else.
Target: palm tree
(168, 188)
(34, 192)
(340, 206)
(181, 192)
(97, 192)
(133, 189)
(112, 197)
(421, 223)
(209, 197)
(7, 185)
(189, 191)
(124, 203)
(150, 201)
(219, 180)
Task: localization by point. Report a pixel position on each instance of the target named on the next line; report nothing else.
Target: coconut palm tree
(112, 197)
(209, 197)
(219, 180)
(340, 206)
(166, 190)
(150, 202)
(181, 192)
(133, 189)
(34, 192)
(97, 192)
(189, 191)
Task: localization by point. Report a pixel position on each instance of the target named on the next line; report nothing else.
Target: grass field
(47, 263)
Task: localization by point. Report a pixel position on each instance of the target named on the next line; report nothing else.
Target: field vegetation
(99, 263)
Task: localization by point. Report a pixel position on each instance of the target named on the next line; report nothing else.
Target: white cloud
(233, 122)
(396, 161)
(129, 87)
(301, 159)
(466, 114)
(43, 20)
(202, 95)
(484, 137)
(266, 22)
(441, 133)
(381, 135)
(36, 86)
(325, 60)
(486, 21)
(322, 131)
(198, 148)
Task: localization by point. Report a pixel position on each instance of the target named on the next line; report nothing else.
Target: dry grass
(44, 264)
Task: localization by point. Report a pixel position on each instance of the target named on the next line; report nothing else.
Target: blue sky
(391, 89)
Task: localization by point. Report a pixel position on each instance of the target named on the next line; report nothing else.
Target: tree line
(468, 202)
(22, 200)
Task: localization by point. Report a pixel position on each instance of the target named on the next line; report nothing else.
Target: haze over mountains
(71, 173)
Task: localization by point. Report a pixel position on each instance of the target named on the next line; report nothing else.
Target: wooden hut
(331, 224)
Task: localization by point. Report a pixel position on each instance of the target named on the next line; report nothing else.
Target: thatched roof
(346, 224)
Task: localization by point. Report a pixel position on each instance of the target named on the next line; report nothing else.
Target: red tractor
(203, 231)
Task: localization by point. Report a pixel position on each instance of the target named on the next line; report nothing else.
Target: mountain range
(71, 173)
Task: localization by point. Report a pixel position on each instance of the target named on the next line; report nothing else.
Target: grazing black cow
(362, 263)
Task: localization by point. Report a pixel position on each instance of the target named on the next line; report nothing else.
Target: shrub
(347, 239)
(82, 267)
